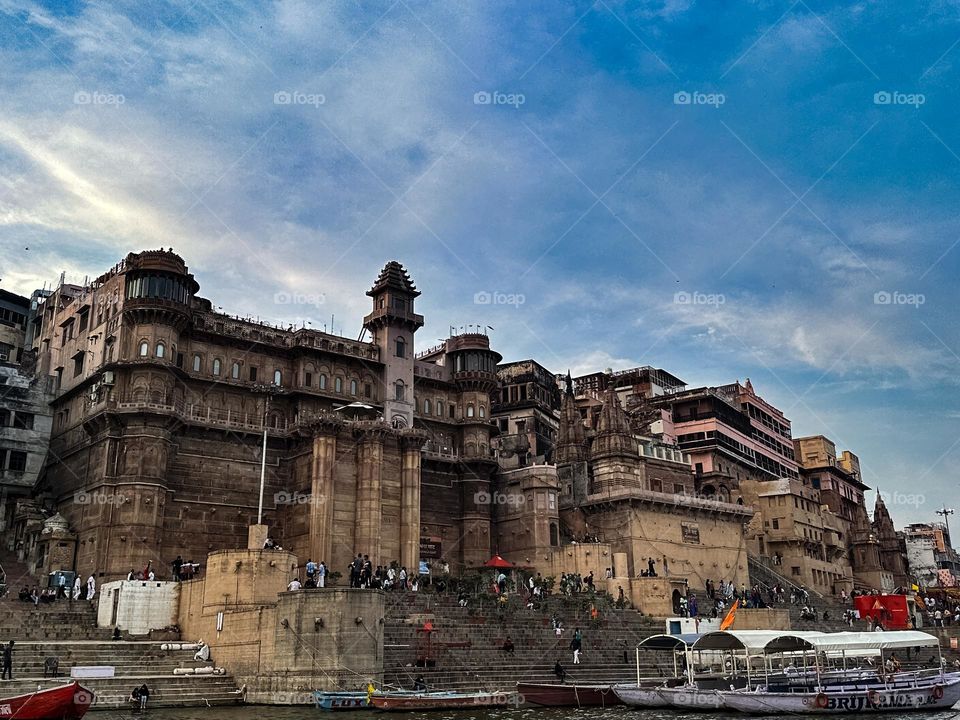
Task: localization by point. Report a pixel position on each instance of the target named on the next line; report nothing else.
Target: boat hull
(441, 700)
(691, 699)
(340, 700)
(636, 696)
(567, 695)
(66, 702)
(938, 697)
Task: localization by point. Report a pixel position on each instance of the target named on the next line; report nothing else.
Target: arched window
(277, 377)
(216, 367)
(439, 408)
(426, 407)
(160, 350)
(323, 382)
(196, 363)
(144, 348)
(401, 347)
(235, 371)
(469, 410)
(353, 387)
(483, 411)
(338, 384)
(399, 390)
(554, 534)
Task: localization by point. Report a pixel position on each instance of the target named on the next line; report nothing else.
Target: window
(235, 371)
(78, 363)
(776, 524)
(469, 410)
(426, 407)
(179, 359)
(144, 348)
(216, 367)
(338, 385)
(308, 379)
(159, 352)
(253, 374)
(399, 390)
(453, 411)
(84, 318)
(23, 421)
(367, 390)
(277, 377)
(483, 411)
(323, 381)
(439, 408)
(18, 461)
(401, 347)
(4, 417)
(353, 387)
(196, 363)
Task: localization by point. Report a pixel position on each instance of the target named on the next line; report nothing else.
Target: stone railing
(194, 413)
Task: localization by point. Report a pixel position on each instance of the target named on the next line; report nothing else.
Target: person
(508, 646)
(462, 598)
(134, 698)
(559, 671)
(131, 575)
(76, 588)
(203, 653)
(502, 583)
(311, 569)
(322, 574)
(151, 575)
(419, 685)
(91, 587)
(116, 633)
(177, 564)
(7, 662)
(144, 696)
(609, 573)
(294, 585)
(651, 568)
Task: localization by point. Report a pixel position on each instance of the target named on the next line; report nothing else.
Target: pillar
(322, 490)
(410, 443)
(370, 436)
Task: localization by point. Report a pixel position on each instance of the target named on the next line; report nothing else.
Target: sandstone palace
(163, 408)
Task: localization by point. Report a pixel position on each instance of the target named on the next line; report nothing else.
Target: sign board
(690, 533)
(430, 548)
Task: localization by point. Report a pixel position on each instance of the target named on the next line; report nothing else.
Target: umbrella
(498, 562)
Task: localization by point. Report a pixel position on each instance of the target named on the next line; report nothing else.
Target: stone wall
(138, 606)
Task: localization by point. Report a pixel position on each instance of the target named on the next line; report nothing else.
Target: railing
(196, 412)
(759, 566)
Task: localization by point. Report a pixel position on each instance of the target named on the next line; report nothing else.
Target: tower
(392, 322)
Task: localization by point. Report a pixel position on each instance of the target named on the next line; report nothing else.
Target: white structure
(138, 606)
(921, 555)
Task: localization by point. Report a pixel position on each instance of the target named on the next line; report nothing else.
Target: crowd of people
(60, 590)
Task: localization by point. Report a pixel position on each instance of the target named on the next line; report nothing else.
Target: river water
(253, 712)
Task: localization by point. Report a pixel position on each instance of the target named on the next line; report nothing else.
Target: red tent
(498, 562)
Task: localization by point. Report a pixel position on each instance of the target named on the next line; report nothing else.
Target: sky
(723, 190)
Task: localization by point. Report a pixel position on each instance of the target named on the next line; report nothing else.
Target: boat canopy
(753, 641)
(854, 641)
(669, 642)
(758, 642)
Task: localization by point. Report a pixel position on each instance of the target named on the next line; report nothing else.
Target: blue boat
(340, 700)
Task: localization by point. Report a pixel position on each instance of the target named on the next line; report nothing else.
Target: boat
(567, 695)
(856, 690)
(690, 698)
(340, 700)
(441, 700)
(65, 702)
(639, 696)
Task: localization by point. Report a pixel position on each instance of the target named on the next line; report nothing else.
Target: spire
(571, 437)
(613, 429)
(569, 384)
(394, 277)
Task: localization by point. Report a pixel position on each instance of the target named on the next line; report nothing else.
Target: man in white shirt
(321, 574)
(294, 585)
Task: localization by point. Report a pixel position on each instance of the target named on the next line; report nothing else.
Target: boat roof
(768, 641)
(669, 642)
(753, 641)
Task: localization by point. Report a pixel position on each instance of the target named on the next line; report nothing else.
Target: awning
(669, 642)
(753, 641)
(892, 640)
(498, 562)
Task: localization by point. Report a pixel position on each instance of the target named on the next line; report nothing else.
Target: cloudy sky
(766, 190)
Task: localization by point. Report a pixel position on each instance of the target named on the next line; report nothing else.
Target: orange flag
(731, 616)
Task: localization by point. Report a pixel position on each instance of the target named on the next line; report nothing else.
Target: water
(253, 712)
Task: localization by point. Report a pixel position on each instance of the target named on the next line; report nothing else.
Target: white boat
(691, 698)
(832, 701)
(639, 696)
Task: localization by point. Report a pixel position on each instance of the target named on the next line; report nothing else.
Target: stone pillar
(410, 443)
(370, 436)
(256, 536)
(322, 489)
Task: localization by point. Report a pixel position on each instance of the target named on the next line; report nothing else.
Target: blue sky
(543, 152)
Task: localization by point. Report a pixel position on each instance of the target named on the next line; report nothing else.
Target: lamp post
(946, 513)
(268, 391)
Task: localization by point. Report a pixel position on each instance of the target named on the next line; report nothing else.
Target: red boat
(567, 695)
(67, 702)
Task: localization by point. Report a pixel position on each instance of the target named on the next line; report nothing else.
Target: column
(370, 436)
(322, 489)
(411, 441)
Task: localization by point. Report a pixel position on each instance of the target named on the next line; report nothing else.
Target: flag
(731, 616)
(920, 604)
(915, 587)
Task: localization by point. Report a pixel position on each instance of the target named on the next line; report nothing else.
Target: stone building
(525, 410)
(14, 310)
(893, 546)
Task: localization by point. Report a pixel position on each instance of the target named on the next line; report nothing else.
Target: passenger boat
(567, 695)
(639, 696)
(340, 700)
(441, 700)
(66, 702)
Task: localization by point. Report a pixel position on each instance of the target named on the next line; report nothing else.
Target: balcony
(194, 414)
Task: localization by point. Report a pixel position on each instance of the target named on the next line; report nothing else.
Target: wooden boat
(340, 700)
(691, 698)
(639, 696)
(567, 695)
(66, 702)
(441, 700)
